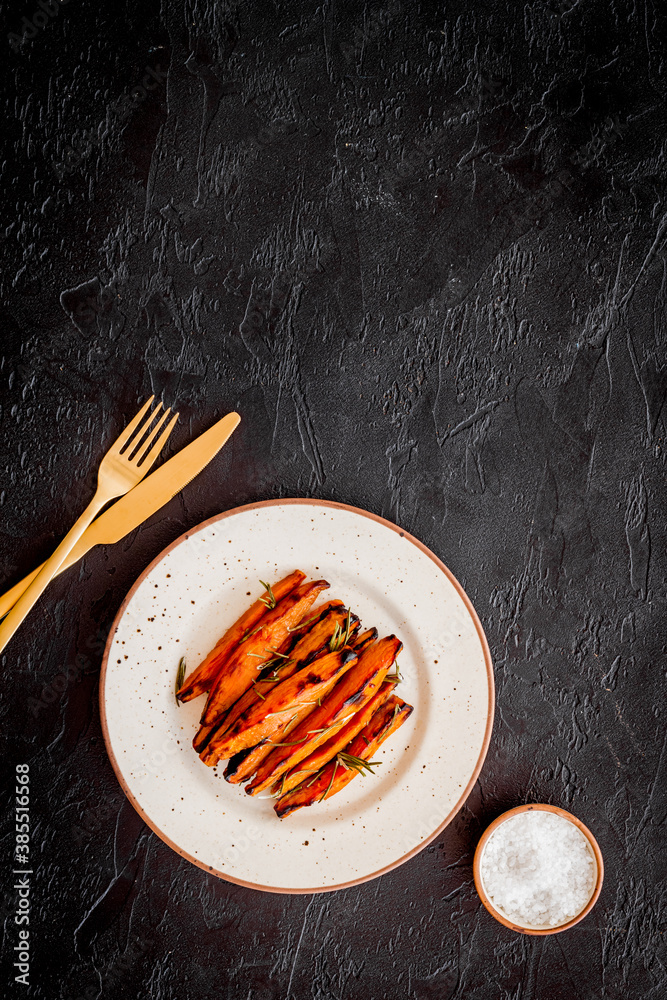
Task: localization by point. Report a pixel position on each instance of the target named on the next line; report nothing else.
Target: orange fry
(256, 648)
(365, 639)
(203, 676)
(327, 751)
(351, 693)
(263, 719)
(304, 650)
(242, 765)
(337, 773)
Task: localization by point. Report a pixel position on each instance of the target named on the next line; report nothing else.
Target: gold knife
(148, 496)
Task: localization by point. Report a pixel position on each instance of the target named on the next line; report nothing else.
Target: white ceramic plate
(182, 604)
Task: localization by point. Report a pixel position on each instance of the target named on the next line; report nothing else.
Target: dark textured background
(421, 249)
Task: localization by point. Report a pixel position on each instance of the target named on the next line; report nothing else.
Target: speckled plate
(180, 606)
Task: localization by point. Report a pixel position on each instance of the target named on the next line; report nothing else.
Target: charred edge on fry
(234, 762)
(379, 734)
(365, 640)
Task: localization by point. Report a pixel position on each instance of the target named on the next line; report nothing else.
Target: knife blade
(145, 499)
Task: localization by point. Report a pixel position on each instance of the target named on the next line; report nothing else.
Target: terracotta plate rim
(487, 661)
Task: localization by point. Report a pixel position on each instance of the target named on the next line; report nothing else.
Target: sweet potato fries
(298, 697)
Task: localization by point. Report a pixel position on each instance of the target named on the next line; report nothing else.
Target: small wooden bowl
(479, 885)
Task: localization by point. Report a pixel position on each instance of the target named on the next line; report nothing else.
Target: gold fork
(126, 463)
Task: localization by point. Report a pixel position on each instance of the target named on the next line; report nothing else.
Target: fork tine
(124, 436)
(136, 438)
(157, 447)
(141, 447)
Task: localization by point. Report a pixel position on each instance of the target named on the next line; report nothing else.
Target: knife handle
(10, 597)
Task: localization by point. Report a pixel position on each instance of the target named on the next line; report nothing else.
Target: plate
(188, 597)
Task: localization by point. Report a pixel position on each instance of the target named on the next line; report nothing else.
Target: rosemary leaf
(335, 639)
(348, 629)
(259, 693)
(294, 743)
(249, 633)
(277, 666)
(357, 763)
(269, 599)
(305, 770)
(396, 677)
(332, 728)
(331, 782)
(304, 624)
(273, 660)
(180, 677)
(341, 636)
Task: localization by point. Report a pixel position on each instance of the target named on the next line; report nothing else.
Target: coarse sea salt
(538, 869)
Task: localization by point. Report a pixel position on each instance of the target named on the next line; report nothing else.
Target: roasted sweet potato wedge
(351, 693)
(305, 626)
(243, 765)
(365, 639)
(258, 647)
(337, 773)
(200, 680)
(241, 771)
(235, 765)
(263, 719)
(311, 764)
(308, 645)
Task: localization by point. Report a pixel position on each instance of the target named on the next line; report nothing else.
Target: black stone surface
(421, 249)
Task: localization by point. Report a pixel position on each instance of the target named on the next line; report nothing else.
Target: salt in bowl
(536, 839)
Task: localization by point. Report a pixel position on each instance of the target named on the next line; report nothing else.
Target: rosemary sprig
(357, 763)
(275, 657)
(303, 624)
(180, 677)
(294, 743)
(331, 782)
(340, 636)
(333, 642)
(333, 728)
(276, 665)
(396, 677)
(259, 693)
(249, 634)
(270, 598)
(305, 770)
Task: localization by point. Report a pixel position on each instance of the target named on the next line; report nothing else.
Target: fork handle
(50, 568)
